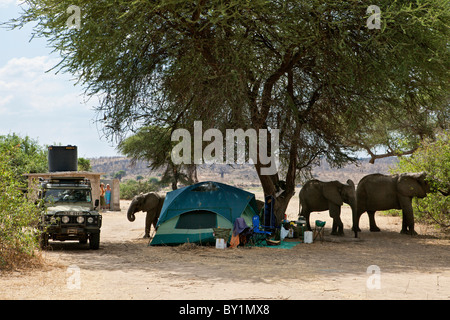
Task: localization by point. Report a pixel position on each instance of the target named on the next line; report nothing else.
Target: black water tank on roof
(62, 158)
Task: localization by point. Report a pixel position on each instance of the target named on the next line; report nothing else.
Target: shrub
(432, 157)
(18, 216)
(130, 188)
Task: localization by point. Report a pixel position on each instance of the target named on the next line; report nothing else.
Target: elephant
(320, 196)
(149, 202)
(383, 192)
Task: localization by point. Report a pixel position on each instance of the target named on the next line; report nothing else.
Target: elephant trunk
(130, 214)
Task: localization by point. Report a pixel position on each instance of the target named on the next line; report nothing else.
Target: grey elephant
(148, 202)
(383, 192)
(320, 196)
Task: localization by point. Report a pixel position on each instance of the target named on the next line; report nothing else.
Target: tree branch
(391, 153)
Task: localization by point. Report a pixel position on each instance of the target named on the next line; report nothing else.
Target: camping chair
(258, 235)
(318, 229)
(263, 231)
(269, 214)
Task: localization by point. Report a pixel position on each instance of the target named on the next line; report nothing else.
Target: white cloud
(7, 3)
(26, 82)
(5, 100)
(46, 106)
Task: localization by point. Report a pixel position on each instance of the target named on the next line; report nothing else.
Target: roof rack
(66, 182)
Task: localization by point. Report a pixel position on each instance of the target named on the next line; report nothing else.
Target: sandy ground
(403, 267)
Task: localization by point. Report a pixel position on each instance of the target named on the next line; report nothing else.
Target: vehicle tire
(94, 241)
(43, 240)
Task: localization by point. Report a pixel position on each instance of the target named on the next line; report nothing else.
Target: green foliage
(18, 216)
(84, 164)
(130, 188)
(119, 174)
(432, 157)
(29, 156)
(153, 144)
(150, 143)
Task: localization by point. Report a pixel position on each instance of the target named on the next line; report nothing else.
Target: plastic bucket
(308, 237)
(221, 244)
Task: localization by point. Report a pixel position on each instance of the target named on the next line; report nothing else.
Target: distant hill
(240, 175)
(354, 172)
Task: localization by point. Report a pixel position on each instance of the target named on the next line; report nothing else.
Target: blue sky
(47, 107)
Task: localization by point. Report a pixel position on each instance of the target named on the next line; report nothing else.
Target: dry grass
(13, 260)
(187, 247)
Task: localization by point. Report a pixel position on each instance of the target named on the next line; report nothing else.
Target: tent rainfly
(190, 214)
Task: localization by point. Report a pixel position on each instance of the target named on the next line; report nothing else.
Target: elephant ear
(150, 201)
(410, 185)
(139, 200)
(331, 191)
(351, 183)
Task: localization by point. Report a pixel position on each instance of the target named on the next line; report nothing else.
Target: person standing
(108, 197)
(102, 196)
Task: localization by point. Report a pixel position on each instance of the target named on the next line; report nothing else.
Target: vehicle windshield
(67, 195)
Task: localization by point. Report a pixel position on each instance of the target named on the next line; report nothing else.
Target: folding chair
(263, 230)
(319, 230)
(269, 214)
(258, 235)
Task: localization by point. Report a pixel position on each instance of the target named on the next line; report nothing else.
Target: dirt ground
(384, 265)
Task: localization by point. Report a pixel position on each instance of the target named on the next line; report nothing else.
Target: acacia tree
(310, 68)
(153, 144)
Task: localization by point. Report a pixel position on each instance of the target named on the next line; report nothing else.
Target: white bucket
(291, 233)
(308, 237)
(221, 244)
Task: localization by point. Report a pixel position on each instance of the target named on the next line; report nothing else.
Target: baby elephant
(320, 196)
(148, 202)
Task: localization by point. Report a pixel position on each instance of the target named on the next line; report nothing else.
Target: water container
(221, 244)
(62, 158)
(308, 237)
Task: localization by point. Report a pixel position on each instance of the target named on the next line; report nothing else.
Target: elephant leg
(338, 226)
(305, 213)
(373, 225)
(148, 224)
(155, 222)
(356, 218)
(334, 228)
(408, 216)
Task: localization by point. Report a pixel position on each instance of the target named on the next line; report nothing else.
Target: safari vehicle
(70, 214)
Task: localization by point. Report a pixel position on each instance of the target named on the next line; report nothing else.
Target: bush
(432, 157)
(130, 188)
(18, 216)
(29, 156)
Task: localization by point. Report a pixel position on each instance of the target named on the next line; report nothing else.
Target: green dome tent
(190, 214)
